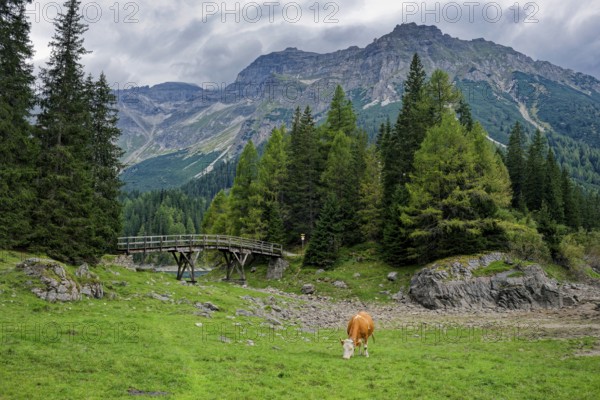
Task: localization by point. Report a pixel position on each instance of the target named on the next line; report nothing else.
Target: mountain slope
(501, 84)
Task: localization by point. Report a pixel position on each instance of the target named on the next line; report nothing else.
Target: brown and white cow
(360, 327)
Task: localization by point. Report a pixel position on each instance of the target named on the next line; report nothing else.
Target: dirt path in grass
(315, 312)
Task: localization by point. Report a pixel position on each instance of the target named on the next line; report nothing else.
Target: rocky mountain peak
(410, 29)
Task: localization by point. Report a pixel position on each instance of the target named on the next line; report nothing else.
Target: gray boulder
(210, 306)
(340, 285)
(392, 276)
(308, 289)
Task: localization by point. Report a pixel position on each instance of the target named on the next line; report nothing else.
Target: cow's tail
(373, 336)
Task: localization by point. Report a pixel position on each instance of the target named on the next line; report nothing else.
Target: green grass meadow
(130, 343)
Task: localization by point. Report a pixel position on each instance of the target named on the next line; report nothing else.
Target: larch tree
(245, 207)
(441, 95)
(272, 173)
(457, 188)
(217, 220)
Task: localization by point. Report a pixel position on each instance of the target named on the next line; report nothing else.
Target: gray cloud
(145, 42)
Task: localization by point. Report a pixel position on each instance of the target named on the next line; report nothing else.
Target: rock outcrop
(91, 287)
(58, 284)
(451, 284)
(276, 268)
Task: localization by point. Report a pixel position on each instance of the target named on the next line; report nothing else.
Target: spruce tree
(275, 228)
(326, 240)
(105, 163)
(571, 209)
(464, 113)
(408, 133)
(340, 178)
(535, 167)
(344, 149)
(553, 191)
(515, 163)
(341, 116)
(302, 186)
(371, 197)
(383, 136)
(65, 185)
(17, 150)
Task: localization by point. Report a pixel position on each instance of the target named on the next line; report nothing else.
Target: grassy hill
(147, 339)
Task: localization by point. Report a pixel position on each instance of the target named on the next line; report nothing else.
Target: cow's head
(348, 345)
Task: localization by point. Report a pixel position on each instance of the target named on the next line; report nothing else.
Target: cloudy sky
(144, 42)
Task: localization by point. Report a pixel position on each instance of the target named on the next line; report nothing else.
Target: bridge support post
(185, 260)
(235, 261)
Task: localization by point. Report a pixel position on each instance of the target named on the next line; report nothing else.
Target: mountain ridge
(501, 84)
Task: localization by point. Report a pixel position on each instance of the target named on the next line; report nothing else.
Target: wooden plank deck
(194, 243)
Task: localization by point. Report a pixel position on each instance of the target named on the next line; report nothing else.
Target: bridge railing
(165, 243)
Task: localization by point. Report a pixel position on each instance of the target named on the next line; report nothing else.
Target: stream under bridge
(238, 252)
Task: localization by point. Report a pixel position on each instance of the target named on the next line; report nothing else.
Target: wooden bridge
(187, 248)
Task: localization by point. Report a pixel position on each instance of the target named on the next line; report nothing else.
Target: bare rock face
(276, 268)
(452, 285)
